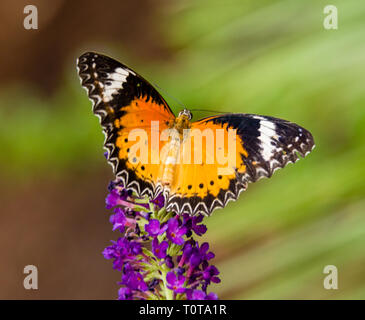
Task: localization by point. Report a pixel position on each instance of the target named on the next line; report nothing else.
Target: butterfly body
(169, 159)
(198, 166)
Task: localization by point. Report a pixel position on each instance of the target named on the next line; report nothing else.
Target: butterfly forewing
(124, 101)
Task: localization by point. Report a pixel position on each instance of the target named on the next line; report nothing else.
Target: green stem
(168, 292)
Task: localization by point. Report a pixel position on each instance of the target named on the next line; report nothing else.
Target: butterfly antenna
(211, 111)
(169, 95)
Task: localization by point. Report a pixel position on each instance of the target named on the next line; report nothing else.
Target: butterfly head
(183, 120)
(185, 114)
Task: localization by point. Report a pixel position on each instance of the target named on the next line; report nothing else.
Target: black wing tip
(85, 58)
(92, 54)
(101, 61)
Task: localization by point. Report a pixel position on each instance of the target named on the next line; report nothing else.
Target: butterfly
(125, 103)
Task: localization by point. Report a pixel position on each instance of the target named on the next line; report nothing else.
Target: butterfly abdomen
(169, 158)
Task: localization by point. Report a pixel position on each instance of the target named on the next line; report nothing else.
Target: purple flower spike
(195, 260)
(198, 229)
(153, 228)
(108, 253)
(187, 251)
(200, 295)
(135, 281)
(211, 296)
(135, 248)
(210, 274)
(169, 262)
(174, 232)
(112, 199)
(119, 251)
(118, 220)
(125, 294)
(159, 250)
(175, 283)
(189, 272)
(159, 201)
(203, 252)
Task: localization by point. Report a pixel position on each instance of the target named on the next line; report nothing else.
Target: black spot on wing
(195, 205)
(130, 180)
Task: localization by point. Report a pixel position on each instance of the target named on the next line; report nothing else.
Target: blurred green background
(266, 57)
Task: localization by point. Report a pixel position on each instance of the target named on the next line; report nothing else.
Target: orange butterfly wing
(124, 101)
(262, 145)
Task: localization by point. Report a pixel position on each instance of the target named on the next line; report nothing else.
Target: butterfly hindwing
(124, 101)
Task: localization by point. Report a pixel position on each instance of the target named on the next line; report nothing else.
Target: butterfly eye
(186, 113)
